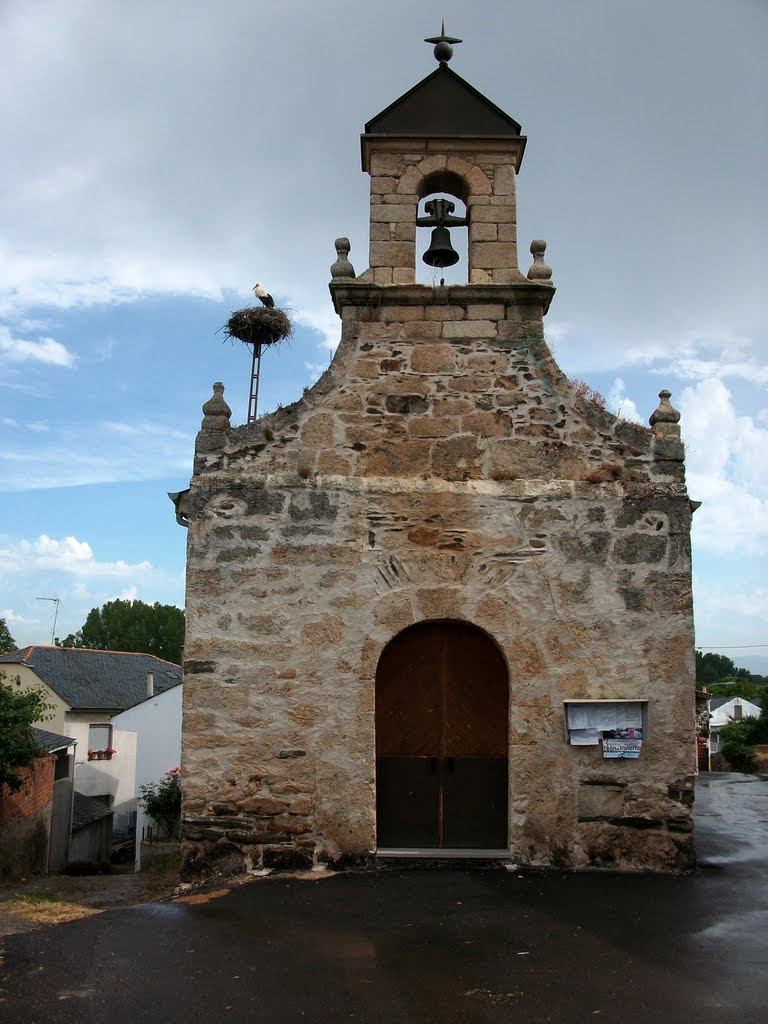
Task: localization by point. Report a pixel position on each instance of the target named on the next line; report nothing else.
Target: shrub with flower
(162, 801)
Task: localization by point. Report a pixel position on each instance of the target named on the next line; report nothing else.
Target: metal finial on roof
(443, 45)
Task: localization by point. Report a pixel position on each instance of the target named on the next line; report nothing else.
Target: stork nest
(259, 325)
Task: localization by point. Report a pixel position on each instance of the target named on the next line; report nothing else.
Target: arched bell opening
(442, 246)
(442, 740)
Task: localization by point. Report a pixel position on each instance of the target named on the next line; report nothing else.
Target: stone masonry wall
(443, 468)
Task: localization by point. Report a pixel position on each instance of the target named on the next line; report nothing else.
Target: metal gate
(442, 705)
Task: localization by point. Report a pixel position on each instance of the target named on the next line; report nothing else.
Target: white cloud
(12, 618)
(144, 450)
(727, 470)
(619, 403)
(44, 350)
(67, 555)
(699, 354)
(556, 331)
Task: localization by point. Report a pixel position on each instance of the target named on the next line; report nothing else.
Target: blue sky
(160, 158)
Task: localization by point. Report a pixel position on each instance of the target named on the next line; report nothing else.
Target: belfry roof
(443, 104)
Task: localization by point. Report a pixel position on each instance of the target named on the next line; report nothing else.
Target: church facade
(440, 606)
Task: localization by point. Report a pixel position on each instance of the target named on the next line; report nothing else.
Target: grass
(47, 908)
(33, 898)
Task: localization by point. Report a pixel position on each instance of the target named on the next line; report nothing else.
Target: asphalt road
(431, 946)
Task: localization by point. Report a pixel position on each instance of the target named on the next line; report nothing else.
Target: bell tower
(443, 136)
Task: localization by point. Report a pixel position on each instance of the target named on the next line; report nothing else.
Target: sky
(160, 157)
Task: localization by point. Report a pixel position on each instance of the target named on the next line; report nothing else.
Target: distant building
(728, 709)
(91, 692)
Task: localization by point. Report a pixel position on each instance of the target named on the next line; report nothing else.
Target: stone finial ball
(443, 51)
(538, 246)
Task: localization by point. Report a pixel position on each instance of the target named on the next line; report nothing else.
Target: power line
(728, 647)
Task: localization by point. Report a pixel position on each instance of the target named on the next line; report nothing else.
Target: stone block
(477, 276)
(317, 635)
(490, 255)
(401, 313)
(381, 184)
(403, 458)
(433, 358)
(391, 213)
(600, 802)
(318, 429)
(387, 164)
(486, 311)
(392, 254)
(287, 858)
(490, 215)
(485, 232)
(640, 548)
(433, 426)
(404, 231)
(403, 275)
(457, 458)
(432, 164)
(487, 424)
(382, 275)
(445, 313)
(497, 362)
(504, 180)
(405, 404)
(478, 182)
(262, 805)
(469, 329)
(422, 329)
(331, 464)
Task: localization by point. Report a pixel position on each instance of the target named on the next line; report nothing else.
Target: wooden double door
(442, 707)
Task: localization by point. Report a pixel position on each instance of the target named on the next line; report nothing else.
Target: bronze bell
(440, 252)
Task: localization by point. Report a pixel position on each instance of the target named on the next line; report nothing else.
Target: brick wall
(25, 821)
(36, 790)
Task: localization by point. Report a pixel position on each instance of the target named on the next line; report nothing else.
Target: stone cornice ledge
(364, 293)
(521, 490)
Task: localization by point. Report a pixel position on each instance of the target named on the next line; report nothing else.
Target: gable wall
(442, 469)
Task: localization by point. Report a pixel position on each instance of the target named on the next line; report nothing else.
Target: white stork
(263, 295)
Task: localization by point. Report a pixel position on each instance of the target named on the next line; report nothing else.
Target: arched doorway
(442, 706)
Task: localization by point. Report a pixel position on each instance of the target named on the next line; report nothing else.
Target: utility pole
(57, 602)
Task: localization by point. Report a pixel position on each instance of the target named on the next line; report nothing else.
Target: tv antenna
(57, 602)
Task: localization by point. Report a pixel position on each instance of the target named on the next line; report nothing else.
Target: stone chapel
(440, 606)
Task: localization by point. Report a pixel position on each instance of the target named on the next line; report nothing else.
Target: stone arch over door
(442, 740)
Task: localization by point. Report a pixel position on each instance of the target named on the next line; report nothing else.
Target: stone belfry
(441, 605)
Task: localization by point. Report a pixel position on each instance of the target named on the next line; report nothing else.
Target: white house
(152, 731)
(728, 709)
(89, 692)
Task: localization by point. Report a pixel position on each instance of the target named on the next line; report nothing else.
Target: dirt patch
(26, 905)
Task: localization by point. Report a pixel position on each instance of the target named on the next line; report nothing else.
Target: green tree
(7, 643)
(711, 668)
(132, 626)
(739, 737)
(162, 801)
(749, 689)
(18, 711)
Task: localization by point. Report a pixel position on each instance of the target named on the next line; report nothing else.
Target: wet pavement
(443, 946)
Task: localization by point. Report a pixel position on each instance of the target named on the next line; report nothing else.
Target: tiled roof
(48, 742)
(717, 702)
(96, 680)
(85, 811)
